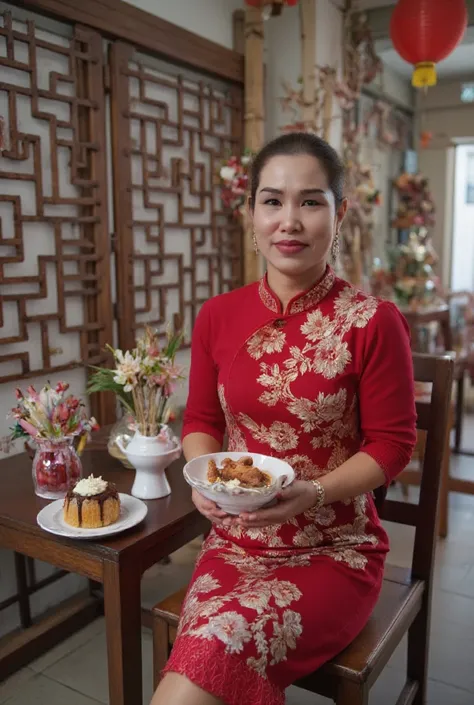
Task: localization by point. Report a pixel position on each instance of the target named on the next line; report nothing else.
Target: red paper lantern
(425, 32)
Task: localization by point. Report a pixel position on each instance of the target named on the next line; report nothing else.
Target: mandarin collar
(301, 302)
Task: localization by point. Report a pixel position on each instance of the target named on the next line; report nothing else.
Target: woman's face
(295, 216)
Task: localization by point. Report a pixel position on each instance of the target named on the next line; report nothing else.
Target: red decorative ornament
(275, 6)
(425, 32)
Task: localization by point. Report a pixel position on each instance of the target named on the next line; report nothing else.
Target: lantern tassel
(424, 75)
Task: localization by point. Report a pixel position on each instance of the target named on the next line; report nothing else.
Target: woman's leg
(176, 689)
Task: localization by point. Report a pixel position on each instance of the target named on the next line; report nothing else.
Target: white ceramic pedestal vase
(150, 456)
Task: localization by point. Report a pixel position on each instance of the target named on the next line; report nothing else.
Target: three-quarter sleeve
(203, 412)
(386, 392)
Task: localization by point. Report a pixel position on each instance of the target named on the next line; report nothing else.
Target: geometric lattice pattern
(55, 304)
(175, 246)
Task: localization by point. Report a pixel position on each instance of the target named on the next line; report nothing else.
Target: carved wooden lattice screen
(54, 240)
(174, 246)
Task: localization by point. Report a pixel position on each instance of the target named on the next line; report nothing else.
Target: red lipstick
(290, 247)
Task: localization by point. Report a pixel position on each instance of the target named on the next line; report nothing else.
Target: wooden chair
(405, 601)
(441, 314)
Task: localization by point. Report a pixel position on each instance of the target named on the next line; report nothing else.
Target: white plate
(132, 512)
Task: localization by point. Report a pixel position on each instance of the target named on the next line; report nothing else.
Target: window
(467, 92)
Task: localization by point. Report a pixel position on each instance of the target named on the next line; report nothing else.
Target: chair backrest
(433, 417)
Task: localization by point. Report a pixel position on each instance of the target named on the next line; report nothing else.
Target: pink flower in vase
(153, 351)
(72, 403)
(62, 387)
(61, 414)
(33, 394)
(159, 380)
(28, 427)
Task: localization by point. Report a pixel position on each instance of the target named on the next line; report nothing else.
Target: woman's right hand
(207, 508)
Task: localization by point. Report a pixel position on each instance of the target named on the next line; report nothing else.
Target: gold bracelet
(320, 494)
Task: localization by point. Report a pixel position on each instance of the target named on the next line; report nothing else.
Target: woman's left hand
(292, 501)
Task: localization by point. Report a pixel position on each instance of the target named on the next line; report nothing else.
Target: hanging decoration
(271, 8)
(304, 116)
(233, 180)
(416, 207)
(361, 66)
(424, 32)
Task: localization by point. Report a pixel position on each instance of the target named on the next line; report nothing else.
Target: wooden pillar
(308, 62)
(254, 115)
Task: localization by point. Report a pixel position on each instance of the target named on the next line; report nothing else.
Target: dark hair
(294, 143)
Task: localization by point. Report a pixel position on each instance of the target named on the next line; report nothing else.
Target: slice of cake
(91, 504)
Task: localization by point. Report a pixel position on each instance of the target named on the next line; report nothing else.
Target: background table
(117, 563)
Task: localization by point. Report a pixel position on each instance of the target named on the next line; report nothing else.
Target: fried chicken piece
(228, 463)
(246, 460)
(247, 475)
(212, 472)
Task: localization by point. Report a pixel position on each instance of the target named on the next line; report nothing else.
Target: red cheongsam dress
(314, 384)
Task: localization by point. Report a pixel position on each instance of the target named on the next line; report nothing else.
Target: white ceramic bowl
(235, 500)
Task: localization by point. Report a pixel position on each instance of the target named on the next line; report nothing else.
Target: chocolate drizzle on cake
(109, 493)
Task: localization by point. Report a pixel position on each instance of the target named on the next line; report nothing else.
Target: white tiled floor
(75, 672)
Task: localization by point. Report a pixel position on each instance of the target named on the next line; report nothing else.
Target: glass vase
(56, 467)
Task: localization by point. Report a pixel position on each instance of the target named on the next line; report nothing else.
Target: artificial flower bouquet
(53, 420)
(143, 379)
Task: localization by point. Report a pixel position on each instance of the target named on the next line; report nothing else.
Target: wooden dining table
(115, 565)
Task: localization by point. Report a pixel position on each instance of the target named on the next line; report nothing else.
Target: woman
(304, 367)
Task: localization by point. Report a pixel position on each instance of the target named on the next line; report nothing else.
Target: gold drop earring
(335, 248)
(255, 243)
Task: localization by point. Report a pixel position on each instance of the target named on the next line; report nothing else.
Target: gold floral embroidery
(315, 326)
(314, 295)
(267, 298)
(268, 535)
(308, 536)
(354, 533)
(331, 357)
(331, 407)
(325, 516)
(303, 466)
(350, 306)
(351, 557)
(298, 362)
(266, 341)
(327, 408)
(325, 353)
(330, 353)
(237, 441)
(304, 301)
(277, 382)
(339, 455)
(258, 590)
(279, 436)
